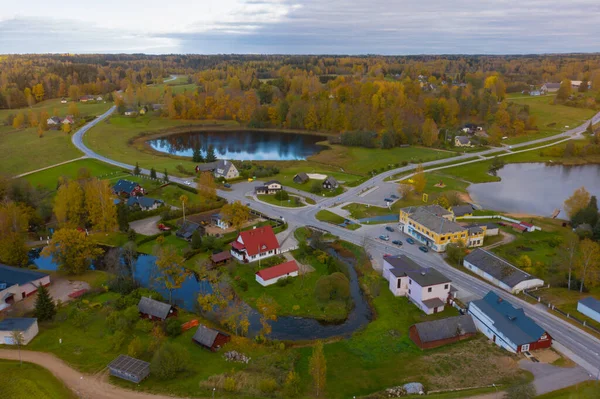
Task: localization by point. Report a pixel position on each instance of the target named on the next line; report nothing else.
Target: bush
(169, 360)
(172, 327)
(333, 286)
(267, 385)
(144, 325)
(282, 195)
(116, 340)
(283, 281)
(135, 347)
(229, 384)
(316, 187)
(243, 284)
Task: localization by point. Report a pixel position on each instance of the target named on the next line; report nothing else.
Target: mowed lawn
(48, 178)
(361, 161)
(111, 138)
(28, 381)
(551, 119)
(22, 149)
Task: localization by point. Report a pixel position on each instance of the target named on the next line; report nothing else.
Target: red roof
(237, 245)
(221, 256)
(519, 227)
(526, 224)
(278, 271)
(259, 240)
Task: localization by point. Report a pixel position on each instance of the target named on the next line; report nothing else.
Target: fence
(496, 217)
(557, 310)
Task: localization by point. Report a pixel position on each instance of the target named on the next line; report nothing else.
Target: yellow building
(433, 226)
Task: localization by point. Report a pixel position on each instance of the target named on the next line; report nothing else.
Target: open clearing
(28, 381)
(49, 178)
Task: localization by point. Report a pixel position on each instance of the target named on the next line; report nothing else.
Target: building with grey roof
(507, 326)
(499, 271)
(590, 307)
(462, 210)
(226, 169)
(210, 338)
(431, 334)
(426, 287)
(17, 283)
(154, 309)
(129, 368)
(26, 326)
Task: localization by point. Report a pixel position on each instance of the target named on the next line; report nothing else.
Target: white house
(226, 169)
(28, 327)
(550, 87)
(427, 288)
(499, 271)
(219, 221)
(270, 187)
(507, 326)
(590, 307)
(17, 283)
(253, 245)
(462, 141)
(273, 274)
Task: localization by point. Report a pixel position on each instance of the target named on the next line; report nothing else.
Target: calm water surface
(242, 145)
(535, 188)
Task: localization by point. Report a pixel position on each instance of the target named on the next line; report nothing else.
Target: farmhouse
(590, 307)
(144, 203)
(499, 271)
(427, 288)
(68, 120)
(210, 339)
(28, 327)
(301, 178)
(273, 274)
(433, 226)
(270, 187)
(226, 169)
(129, 368)
(330, 183)
(155, 310)
(550, 87)
(17, 283)
(507, 326)
(431, 334)
(462, 141)
(127, 188)
(252, 245)
(53, 121)
(462, 210)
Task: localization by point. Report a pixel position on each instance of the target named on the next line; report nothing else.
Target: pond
(535, 188)
(242, 145)
(285, 328)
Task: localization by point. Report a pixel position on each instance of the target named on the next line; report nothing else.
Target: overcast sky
(300, 26)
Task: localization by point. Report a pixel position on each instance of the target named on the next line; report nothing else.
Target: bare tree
(18, 339)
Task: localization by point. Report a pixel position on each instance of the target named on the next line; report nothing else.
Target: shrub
(116, 340)
(267, 385)
(292, 384)
(169, 360)
(172, 327)
(229, 384)
(284, 281)
(135, 347)
(144, 325)
(333, 286)
(243, 284)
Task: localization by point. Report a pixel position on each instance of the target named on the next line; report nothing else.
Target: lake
(242, 145)
(535, 188)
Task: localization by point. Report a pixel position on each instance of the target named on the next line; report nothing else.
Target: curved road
(584, 348)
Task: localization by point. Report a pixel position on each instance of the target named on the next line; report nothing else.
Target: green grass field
(270, 199)
(361, 161)
(584, 390)
(30, 381)
(48, 178)
(24, 151)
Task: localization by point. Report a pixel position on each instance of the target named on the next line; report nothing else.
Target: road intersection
(582, 347)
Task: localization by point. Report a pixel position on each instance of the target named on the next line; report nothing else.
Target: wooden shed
(432, 334)
(210, 339)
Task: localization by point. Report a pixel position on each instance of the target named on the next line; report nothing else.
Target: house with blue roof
(144, 203)
(18, 283)
(507, 326)
(27, 326)
(127, 188)
(590, 307)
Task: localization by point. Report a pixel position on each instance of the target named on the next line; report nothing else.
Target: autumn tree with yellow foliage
(72, 249)
(419, 179)
(207, 188)
(236, 214)
(14, 219)
(100, 205)
(171, 270)
(579, 200)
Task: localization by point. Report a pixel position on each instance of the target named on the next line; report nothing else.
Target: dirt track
(84, 385)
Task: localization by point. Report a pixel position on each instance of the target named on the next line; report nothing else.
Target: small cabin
(210, 339)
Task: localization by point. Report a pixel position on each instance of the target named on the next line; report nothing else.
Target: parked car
(410, 241)
(397, 242)
(162, 227)
(394, 196)
(384, 238)
(389, 228)
(389, 200)
(423, 248)
(227, 185)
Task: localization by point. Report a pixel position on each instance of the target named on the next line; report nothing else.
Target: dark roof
(302, 176)
(488, 225)
(207, 166)
(331, 181)
(130, 365)
(143, 202)
(272, 182)
(124, 186)
(497, 267)
(10, 275)
(475, 230)
(450, 327)
(461, 210)
(17, 324)
(433, 303)
(154, 308)
(278, 271)
(222, 167)
(591, 303)
(221, 256)
(187, 229)
(404, 266)
(507, 319)
(206, 336)
(463, 139)
(552, 85)
(432, 218)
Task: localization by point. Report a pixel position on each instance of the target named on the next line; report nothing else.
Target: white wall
(28, 335)
(486, 327)
(588, 312)
(274, 280)
(531, 283)
(419, 294)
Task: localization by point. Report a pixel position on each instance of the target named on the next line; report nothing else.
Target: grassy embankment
(30, 381)
(289, 203)
(25, 151)
(333, 218)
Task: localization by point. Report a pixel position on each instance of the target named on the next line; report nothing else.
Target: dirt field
(146, 226)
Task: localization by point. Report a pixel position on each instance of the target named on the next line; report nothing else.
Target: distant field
(48, 178)
(23, 151)
(30, 381)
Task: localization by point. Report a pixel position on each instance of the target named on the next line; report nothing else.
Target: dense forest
(401, 99)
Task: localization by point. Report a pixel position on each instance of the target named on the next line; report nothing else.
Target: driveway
(550, 378)
(59, 289)
(146, 226)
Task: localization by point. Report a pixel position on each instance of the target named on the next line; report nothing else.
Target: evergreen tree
(197, 155)
(136, 170)
(152, 173)
(122, 217)
(166, 176)
(596, 231)
(44, 305)
(210, 154)
(196, 240)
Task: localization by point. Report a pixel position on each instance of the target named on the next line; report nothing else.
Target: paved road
(584, 347)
